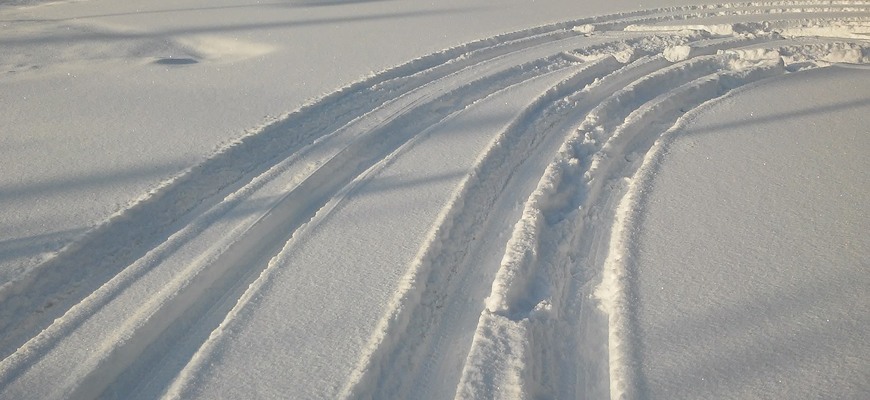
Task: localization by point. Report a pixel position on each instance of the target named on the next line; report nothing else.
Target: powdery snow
(376, 199)
(749, 258)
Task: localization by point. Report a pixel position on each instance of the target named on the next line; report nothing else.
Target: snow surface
(97, 78)
(383, 199)
(751, 260)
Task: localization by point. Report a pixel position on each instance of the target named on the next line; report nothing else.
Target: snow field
(510, 159)
(774, 308)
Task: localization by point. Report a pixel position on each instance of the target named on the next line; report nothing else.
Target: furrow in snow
(198, 286)
(149, 274)
(32, 301)
(543, 338)
(639, 93)
(411, 122)
(598, 126)
(408, 339)
(644, 66)
(421, 307)
(44, 293)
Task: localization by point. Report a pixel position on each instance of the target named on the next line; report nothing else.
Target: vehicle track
(541, 298)
(198, 285)
(155, 275)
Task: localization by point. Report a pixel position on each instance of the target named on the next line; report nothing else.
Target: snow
(677, 53)
(379, 199)
(750, 261)
(84, 78)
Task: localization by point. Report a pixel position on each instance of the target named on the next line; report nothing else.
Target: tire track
(527, 338)
(118, 355)
(409, 345)
(434, 298)
(477, 199)
(415, 122)
(46, 293)
(43, 294)
(202, 285)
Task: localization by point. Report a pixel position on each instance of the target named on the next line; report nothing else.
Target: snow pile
(585, 28)
(677, 53)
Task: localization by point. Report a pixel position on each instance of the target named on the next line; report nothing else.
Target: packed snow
(461, 199)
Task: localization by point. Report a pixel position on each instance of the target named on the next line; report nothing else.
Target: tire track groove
(527, 342)
(422, 305)
(163, 311)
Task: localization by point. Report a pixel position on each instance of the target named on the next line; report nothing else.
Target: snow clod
(677, 53)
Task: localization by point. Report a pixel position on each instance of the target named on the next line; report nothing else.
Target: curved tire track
(540, 299)
(201, 284)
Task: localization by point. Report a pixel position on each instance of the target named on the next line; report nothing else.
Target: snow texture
(377, 199)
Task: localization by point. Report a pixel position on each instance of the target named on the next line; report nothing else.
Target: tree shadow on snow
(93, 36)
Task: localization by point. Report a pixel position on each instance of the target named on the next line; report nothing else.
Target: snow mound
(677, 53)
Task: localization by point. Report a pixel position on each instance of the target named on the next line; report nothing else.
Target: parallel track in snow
(500, 299)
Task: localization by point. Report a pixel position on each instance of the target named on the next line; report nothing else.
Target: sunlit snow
(413, 199)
